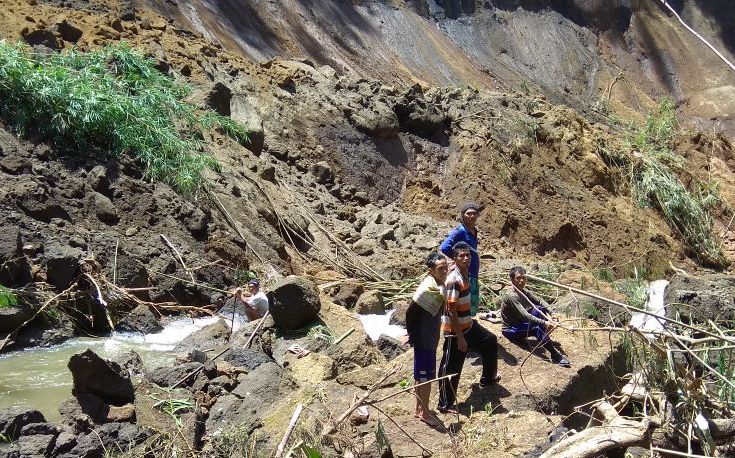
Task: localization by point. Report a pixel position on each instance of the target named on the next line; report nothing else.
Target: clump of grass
(654, 183)
(110, 102)
(7, 298)
(321, 333)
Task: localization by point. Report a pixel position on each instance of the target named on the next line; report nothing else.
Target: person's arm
(452, 296)
(516, 299)
(537, 300)
(448, 243)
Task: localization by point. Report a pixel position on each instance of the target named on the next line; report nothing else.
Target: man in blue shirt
(467, 232)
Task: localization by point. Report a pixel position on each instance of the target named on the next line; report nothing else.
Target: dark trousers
(521, 331)
(478, 339)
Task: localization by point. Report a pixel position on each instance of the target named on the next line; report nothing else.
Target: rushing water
(375, 325)
(39, 378)
(655, 304)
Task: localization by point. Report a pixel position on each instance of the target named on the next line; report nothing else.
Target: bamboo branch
(178, 256)
(289, 431)
(257, 328)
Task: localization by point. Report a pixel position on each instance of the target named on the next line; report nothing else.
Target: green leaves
(110, 102)
(7, 298)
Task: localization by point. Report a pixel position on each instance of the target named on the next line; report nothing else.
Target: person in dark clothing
(423, 319)
(467, 232)
(524, 315)
(462, 333)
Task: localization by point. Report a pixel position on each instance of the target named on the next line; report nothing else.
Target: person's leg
(517, 333)
(486, 344)
(424, 369)
(451, 364)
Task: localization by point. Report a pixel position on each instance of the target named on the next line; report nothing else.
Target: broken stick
(289, 431)
(178, 256)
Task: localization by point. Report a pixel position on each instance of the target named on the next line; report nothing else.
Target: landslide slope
(576, 51)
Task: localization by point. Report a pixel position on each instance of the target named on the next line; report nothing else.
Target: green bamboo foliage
(110, 102)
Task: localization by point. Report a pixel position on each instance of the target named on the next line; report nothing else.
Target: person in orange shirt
(462, 333)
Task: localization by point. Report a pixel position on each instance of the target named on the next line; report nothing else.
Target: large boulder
(390, 347)
(104, 379)
(13, 419)
(12, 317)
(140, 319)
(294, 302)
(14, 268)
(347, 293)
(62, 264)
(705, 297)
(398, 317)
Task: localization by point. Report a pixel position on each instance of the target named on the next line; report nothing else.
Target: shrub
(7, 298)
(654, 183)
(109, 101)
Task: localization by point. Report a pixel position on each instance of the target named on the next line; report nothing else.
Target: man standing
(423, 319)
(462, 333)
(526, 315)
(255, 301)
(467, 232)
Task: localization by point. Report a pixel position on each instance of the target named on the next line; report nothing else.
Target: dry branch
(289, 431)
(617, 432)
(178, 256)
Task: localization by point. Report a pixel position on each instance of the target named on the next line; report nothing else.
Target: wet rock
(211, 336)
(14, 269)
(13, 419)
(398, 317)
(347, 293)
(83, 411)
(709, 296)
(169, 376)
(197, 356)
(104, 209)
(102, 378)
(87, 446)
(294, 302)
(370, 303)
(122, 436)
(322, 172)
(390, 347)
(245, 357)
(62, 264)
(141, 320)
(44, 331)
(11, 318)
(69, 32)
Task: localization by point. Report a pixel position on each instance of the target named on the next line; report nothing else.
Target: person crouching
(423, 319)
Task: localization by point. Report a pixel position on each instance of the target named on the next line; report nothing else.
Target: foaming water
(39, 377)
(375, 325)
(649, 322)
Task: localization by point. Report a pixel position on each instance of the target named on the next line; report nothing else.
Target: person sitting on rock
(423, 319)
(254, 300)
(524, 315)
(462, 333)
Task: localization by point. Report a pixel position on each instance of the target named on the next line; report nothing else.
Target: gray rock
(709, 296)
(390, 347)
(294, 302)
(399, 313)
(87, 446)
(131, 363)
(62, 264)
(64, 442)
(40, 428)
(347, 293)
(83, 411)
(97, 179)
(365, 247)
(38, 445)
(12, 317)
(104, 209)
(257, 392)
(211, 336)
(141, 320)
(102, 378)
(378, 120)
(244, 112)
(370, 303)
(245, 357)
(168, 376)
(13, 419)
(14, 269)
(322, 172)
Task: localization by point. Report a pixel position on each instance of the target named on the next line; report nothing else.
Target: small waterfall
(375, 325)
